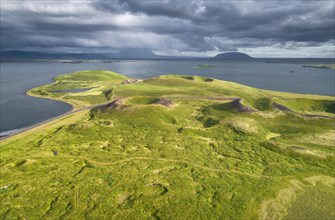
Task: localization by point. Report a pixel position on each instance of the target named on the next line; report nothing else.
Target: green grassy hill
(172, 147)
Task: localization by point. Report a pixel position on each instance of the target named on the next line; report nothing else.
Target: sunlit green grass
(197, 159)
(317, 202)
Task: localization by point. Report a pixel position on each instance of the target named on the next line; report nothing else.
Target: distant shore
(320, 66)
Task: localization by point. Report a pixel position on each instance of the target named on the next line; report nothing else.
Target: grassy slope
(316, 203)
(198, 159)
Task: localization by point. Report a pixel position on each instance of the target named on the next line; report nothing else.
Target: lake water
(19, 110)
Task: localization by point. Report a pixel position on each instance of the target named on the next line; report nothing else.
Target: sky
(261, 28)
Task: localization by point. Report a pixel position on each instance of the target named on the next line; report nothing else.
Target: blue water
(19, 110)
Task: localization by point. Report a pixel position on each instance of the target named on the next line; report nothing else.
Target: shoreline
(75, 109)
(16, 131)
(72, 111)
(22, 130)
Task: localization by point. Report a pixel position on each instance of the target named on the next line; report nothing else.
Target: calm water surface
(19, 110)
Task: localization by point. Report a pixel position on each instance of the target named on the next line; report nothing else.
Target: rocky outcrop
(163, 101)
(239, 107)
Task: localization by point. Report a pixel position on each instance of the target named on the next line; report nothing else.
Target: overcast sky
(261, 28)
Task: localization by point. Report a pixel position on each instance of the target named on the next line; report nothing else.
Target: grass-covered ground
(172, 147)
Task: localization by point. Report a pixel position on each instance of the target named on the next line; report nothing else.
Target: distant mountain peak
(122, 54)
(232, 56)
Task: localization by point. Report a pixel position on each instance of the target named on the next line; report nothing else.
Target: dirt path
(222, 98)
(177, 161)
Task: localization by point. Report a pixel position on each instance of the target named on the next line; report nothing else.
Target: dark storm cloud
(282, 20)
(167, 25)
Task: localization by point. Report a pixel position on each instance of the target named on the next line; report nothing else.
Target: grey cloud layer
(166, 25)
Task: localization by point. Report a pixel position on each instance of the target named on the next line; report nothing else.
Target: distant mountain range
(122, 54)
(142, 54)
(233, 56)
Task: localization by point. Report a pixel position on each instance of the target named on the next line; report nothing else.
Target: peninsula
(171, 147)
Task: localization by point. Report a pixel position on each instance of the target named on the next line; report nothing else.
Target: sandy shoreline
(72, 111)
(21, 130)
